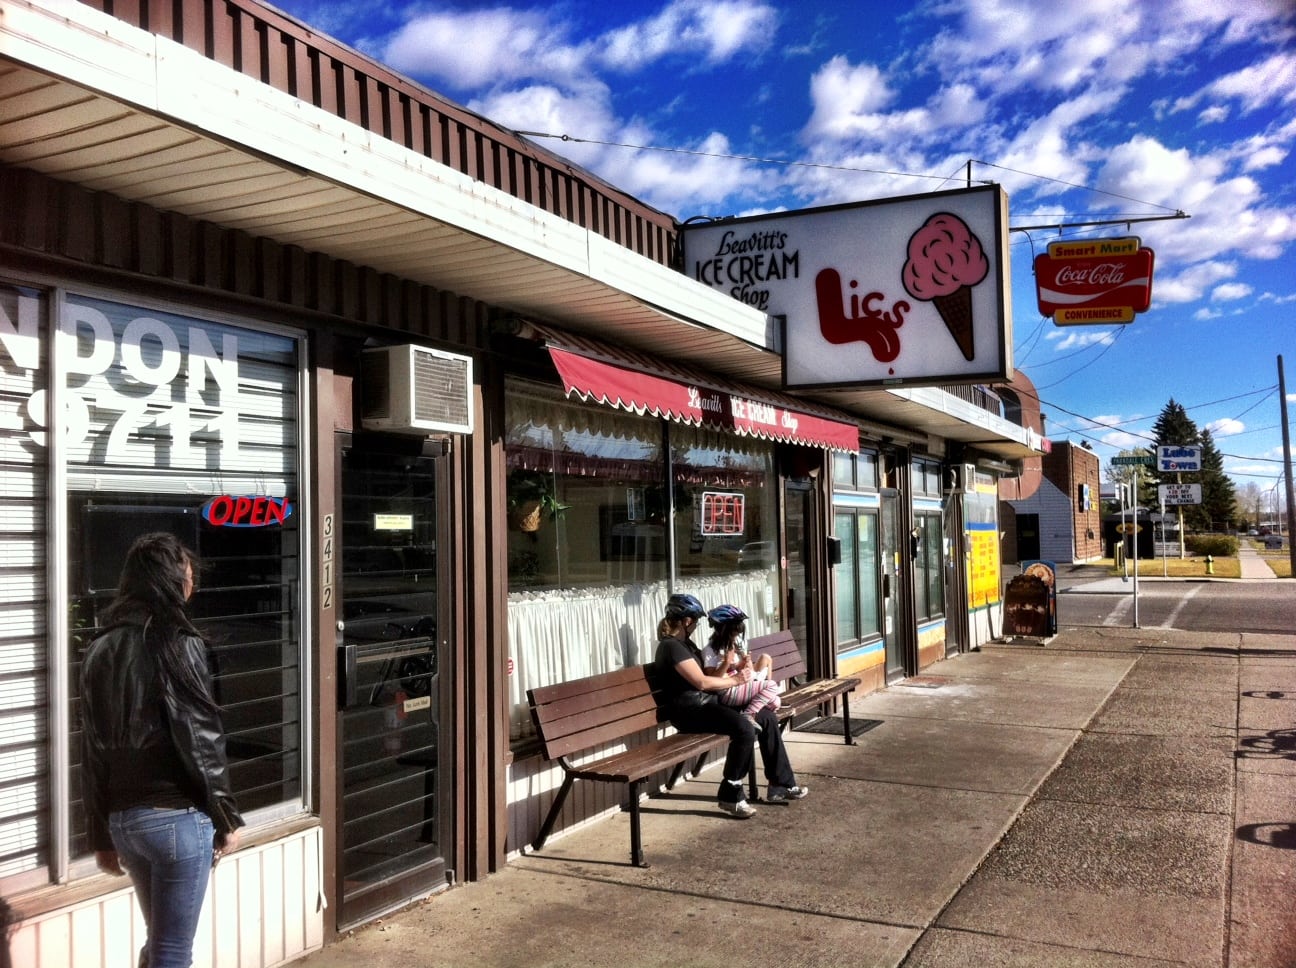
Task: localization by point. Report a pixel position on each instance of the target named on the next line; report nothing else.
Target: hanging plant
(531, 500)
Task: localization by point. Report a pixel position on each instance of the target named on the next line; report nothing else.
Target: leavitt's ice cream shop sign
(903, 291)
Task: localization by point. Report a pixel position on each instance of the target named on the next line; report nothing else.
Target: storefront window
(726, 529)
(929, 565)
(981, 522)
(186, 425)
(855, 472)
(586, 505)
(858, 611)
(589, 541)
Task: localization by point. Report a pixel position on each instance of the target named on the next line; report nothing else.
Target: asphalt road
(1190, 605)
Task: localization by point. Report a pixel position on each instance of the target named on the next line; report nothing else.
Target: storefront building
(418, 394)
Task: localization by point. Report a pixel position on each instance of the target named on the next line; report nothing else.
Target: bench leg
(850, 740)
(636, 838)
(676, 773)
(552, 816)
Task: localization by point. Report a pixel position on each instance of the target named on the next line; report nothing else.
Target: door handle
(346, 676)
(886, 586)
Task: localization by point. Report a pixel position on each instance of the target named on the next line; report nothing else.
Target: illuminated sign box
(1094, 282)
(907, 291)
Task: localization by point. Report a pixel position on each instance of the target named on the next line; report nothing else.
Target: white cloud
(1273, 79)
(1266, 157)
(1213, 115)
(1227, 427)
(1230, 291)
(715, 31)
(1206, 313)
(1123, 440)
(1191, 284)
(1077, 337)
(847, 100)
(478, 48)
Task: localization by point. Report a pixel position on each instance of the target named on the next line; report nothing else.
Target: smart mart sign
(1095, 282)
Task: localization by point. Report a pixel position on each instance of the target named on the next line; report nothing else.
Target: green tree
(1219, 500)
(1174, 427)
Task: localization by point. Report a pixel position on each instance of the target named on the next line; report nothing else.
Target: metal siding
(261, 911)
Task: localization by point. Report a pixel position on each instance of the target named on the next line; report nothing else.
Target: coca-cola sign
(1095, 281)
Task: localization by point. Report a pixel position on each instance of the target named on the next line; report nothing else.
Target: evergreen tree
(1174, 427)
(1219, 500)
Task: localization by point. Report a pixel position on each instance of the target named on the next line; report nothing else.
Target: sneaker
(742, 809)
(780, 794)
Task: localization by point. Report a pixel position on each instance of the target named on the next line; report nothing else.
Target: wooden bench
(801, 697)
(576, 717)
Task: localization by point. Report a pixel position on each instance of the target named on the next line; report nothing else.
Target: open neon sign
(247, 511)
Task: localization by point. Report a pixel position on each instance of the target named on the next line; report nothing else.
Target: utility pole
(1287, 464)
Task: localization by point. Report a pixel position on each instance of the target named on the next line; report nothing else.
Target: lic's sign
(1173, 457)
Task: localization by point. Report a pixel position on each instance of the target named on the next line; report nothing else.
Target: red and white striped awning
(631, 381)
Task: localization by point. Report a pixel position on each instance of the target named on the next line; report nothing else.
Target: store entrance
(893, 590)
(392, 766)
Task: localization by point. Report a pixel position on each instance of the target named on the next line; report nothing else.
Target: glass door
(892, 637)
(394, 777)
(798, 512)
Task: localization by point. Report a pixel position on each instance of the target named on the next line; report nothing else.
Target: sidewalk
(1119, 797)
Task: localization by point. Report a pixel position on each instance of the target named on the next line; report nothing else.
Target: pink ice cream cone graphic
(945, 262)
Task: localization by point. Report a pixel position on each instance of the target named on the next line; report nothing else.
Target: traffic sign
(1147, 459)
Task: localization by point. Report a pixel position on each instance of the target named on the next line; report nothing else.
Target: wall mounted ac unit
(960, 478)
(415, 390)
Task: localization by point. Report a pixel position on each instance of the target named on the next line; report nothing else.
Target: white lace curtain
(556, 636)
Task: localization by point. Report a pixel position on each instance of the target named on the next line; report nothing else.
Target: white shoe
(742, 810)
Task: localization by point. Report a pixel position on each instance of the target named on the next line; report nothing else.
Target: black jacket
(142, 745)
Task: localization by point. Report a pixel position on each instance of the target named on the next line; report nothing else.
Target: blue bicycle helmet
(683, 605)
(726, 615)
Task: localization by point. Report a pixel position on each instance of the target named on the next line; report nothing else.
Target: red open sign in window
(723, 512)
(247, 511)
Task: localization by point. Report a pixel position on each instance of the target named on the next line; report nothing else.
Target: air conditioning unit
(960, 478)
(415, 390)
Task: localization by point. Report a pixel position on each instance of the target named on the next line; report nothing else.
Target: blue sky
(1082, 111)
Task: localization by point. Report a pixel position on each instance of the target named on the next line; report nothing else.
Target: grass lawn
(1280, 562)
(1177, 567)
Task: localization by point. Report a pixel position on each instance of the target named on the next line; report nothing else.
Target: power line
(732, 157)
(783, 162)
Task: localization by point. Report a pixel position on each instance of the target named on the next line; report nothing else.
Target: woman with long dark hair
(156, 783)
(693, 707)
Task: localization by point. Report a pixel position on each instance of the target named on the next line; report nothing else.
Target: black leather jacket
(141, 744)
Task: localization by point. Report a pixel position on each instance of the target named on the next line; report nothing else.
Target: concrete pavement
(1117, 797)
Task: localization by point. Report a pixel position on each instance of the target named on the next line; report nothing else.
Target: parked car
(756, 554)
(1273, 542)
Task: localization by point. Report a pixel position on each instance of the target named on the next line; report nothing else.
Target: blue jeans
(168, 854)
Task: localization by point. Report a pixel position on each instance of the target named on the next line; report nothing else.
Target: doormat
(924, 682)
(835, 726)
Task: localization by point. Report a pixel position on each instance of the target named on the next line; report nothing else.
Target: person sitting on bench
(691, 697)
(726, 653)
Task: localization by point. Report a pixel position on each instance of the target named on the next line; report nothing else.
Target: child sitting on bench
(726, 652)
